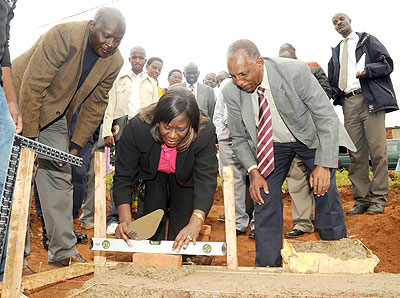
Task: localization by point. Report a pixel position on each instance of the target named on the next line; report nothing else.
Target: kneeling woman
(171, 147)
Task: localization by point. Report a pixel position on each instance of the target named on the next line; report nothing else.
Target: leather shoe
(27, 271)
(357, 209)
(74, 259)
(375, 208)
(252, 234)
(294, 233)
(81, 238)
(238, 233)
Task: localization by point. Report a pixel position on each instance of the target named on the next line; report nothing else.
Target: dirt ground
(380, 233)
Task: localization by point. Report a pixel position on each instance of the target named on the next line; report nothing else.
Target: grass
(109, 180)
(342, 178)
(395, 179)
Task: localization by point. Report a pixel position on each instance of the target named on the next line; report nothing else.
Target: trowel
(145, 227)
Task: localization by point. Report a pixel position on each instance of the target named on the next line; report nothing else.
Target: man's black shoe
(252, 234)
(375, 208)
(238, 233)
(81, 238)
(294, 233)
(357, 209)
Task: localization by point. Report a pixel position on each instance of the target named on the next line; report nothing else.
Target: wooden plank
(230, 221)
(99, 208)
(18, 225)
(50, 277)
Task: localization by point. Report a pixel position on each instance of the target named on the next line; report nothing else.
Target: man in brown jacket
(69, 70)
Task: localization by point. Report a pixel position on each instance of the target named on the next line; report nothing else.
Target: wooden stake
(230, 221)
(99, 208)
(18, 225)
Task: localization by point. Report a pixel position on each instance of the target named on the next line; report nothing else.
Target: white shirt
(352, 82)
(280, 132)
(134, 100)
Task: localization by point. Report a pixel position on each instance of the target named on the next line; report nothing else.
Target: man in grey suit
(204, 94)
(303, 123)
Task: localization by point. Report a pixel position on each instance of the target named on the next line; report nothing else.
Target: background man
(204, 94)
(174, 77)
(359, 76)
(153, 68)
(301, 194)
(222, 75)
(71, 66)
(278, 100)
(209, 80)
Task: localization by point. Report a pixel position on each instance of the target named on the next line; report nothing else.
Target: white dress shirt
(352, 82)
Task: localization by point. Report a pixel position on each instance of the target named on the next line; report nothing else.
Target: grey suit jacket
(303, 106)
(205, 98)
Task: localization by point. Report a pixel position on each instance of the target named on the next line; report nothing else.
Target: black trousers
(158, 191)
(329, 216)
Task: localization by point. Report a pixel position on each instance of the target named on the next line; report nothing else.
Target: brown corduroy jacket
(46, 79)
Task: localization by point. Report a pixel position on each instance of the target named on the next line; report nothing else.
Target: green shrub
(109, 180)
(395, 179)
(342, 178)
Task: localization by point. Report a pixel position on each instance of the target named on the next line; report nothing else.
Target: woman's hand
(125, 219)
(122, 230)
(188, 233)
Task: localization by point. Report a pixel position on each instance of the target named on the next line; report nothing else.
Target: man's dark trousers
(329, 216)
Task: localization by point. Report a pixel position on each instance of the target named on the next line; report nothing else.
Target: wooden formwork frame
(13, 284)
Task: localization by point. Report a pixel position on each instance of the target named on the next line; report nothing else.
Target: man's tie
(191, 88)
(265, 147)
(343, 66)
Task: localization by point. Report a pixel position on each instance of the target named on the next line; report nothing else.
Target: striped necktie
(265, 148)
(343, 66)
(191, 88)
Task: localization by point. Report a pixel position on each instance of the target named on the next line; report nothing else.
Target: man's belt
(353, 93)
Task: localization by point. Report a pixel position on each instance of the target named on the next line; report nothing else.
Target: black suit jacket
(138, 156)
